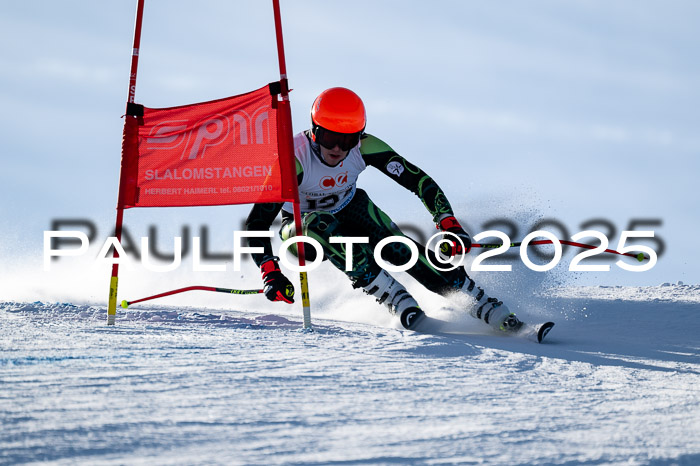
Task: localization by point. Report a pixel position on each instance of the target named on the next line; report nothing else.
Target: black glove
(454, 248)
(277, 286)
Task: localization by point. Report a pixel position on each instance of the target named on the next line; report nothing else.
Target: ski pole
(640, 257)
(126, 303)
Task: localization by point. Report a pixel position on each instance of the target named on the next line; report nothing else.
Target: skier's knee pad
(317, 225)
(323, 224)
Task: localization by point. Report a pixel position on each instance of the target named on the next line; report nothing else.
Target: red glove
(277, 286)
(454, 248)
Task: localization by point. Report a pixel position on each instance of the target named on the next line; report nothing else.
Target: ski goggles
(331, 139)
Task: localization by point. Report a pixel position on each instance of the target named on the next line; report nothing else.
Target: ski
(534, 332)
(544, 331)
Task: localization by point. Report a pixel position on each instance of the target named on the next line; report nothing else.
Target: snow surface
(617, 382)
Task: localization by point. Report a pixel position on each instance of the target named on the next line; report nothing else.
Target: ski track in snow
(617, 382)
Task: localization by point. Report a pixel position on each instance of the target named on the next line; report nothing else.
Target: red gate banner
(212, 153)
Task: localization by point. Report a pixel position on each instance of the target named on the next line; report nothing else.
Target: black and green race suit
(361, 217)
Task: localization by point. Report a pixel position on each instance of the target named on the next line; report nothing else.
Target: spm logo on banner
(210, 131)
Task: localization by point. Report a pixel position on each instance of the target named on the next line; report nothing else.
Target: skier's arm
(378, 154)
(277, 286)
(260, 219)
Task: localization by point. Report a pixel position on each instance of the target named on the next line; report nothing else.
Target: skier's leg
(397, 299)
(321, 226)
(364, 218)
(490, 310)
(365, 273)
(371, 221)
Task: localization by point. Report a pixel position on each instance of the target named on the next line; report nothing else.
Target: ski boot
(510, 323)
(491, 310)
(395, 297)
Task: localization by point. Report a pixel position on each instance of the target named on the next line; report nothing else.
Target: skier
(329, 158)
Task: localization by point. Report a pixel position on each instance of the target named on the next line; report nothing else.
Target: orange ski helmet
(338, 110)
